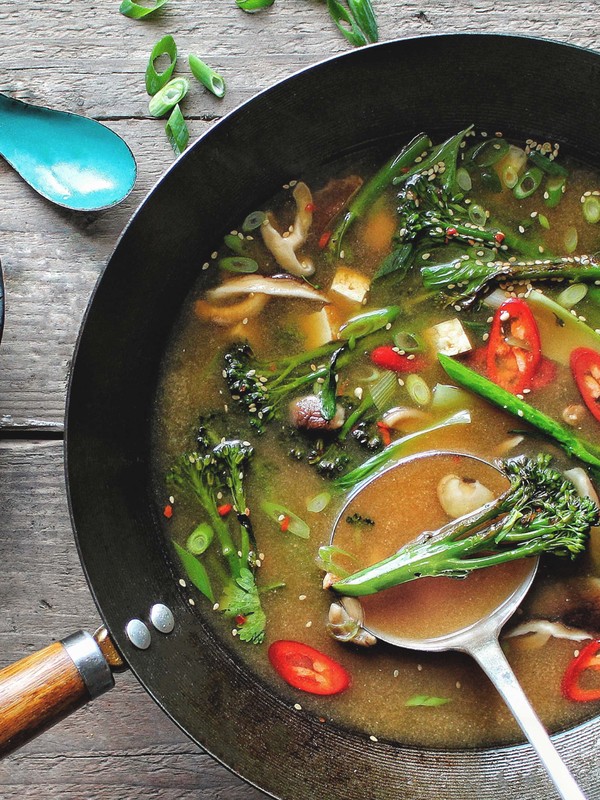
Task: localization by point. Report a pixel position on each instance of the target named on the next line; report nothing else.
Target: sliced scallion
(489, 152)
(547, 165)
(235, 244)
(463, 179)
(554, 190)
(571, 239)
(528, 183)
(426, 700)
(408, 342)
(168, 97)
(572, 295)
(477, 215)
(591, 209)
(134, 10)
(238, 264)
(446, 397)
(195, 572)
(210, 79)
(177, 130)
(253, 221)
(286, 520)
(383, 390)
(544, 221)
(328, 560)
(318, 503)
(510, 176)
(418, 390)
(363, 13)
(156, 80)
(199, 539)
(345, 23)
(253, 5)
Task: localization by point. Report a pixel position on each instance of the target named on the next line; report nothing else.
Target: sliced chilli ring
(307, 669)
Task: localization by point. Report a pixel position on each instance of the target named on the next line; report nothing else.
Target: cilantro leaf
(241, 599)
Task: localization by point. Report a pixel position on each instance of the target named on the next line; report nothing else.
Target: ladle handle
(490, 657)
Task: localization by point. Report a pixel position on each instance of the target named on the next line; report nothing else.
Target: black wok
(385, 94)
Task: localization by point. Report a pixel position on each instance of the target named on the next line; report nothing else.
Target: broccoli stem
(574, 445)
(540, 512)
(382, 179)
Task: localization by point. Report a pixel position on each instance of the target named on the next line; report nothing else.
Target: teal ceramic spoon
(71, 160)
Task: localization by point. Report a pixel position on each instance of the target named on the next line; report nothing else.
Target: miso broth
(292, 479)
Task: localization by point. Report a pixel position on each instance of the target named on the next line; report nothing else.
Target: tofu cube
(321, 327)
(448, 338)
(350, 285)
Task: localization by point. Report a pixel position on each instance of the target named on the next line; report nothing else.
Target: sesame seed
(182, 582)
(234, 632)
(373, 738)
(297, 706)
(216, 607)
(206, 265)
(308, 624)
(301, 597)
(396, 673)
(191, 601)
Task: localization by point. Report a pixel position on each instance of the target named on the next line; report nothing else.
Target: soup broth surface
(385, 680)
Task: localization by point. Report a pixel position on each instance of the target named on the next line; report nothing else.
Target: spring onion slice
(177, 130)
(235, 244)
(210, 79)
(253, 221)
(156, 80)
(238, 264)
(382, 392)
(199, 539)
(286, 519)
(363, 13)
(253, 5)
(418, 390)
(326, 560)
(134, 10)
(168, 97)
(345, 23)
(528, 183)
(591, 209)
(426, 700)
(572, 295)
(554, 190)
(318, 503)
(195, 572)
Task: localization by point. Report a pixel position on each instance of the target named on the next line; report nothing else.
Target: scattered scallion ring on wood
(238, 264)
(252, 6)
(210, 79)
(156, 80)
(134, 10)
(199, 539)
(168, 97)
(591, 208)
(345, 23)
(253, 221)
(177, 130)
(528, 183)
(363, 13)
(287, 521)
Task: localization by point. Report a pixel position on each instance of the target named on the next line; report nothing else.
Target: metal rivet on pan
(162, 618)
(138, 634)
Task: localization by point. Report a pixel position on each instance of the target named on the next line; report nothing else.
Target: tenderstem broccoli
(540, 512)
(214, 475)
(464, 279)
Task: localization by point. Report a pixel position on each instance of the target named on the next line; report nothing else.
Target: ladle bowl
(480, 640)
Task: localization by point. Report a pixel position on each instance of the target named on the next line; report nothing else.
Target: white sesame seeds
(297, 707)
(182, 583)
(191, 601)
(216, 607)
(373, 738)
(301, 597)
(206, 265)
(308, 624)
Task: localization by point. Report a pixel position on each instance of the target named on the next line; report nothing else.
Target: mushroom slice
(276, 286)
(538, 631)
(284, 247)
(250, 307)
(460, 496)
(307, 413)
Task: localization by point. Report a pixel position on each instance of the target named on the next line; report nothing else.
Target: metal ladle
(71, 160)
(480, 641)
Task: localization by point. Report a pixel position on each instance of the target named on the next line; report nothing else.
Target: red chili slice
(387, 357)
(588, 659)
(585, 366)
(307, 669)
(514, 349)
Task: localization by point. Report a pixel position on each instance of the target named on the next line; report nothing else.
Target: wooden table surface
(88, 58)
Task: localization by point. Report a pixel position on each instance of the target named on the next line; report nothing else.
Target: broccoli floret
(214, 474)
(541, 512)
(260, 388)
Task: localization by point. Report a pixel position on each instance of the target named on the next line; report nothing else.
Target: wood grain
(86, 57)
(37, 692)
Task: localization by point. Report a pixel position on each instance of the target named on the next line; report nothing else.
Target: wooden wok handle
(48, 685)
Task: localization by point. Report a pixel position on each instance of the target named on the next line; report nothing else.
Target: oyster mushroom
(284, 247)
(460, 496)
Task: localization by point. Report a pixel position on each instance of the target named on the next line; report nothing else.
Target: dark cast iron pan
(385, 93)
